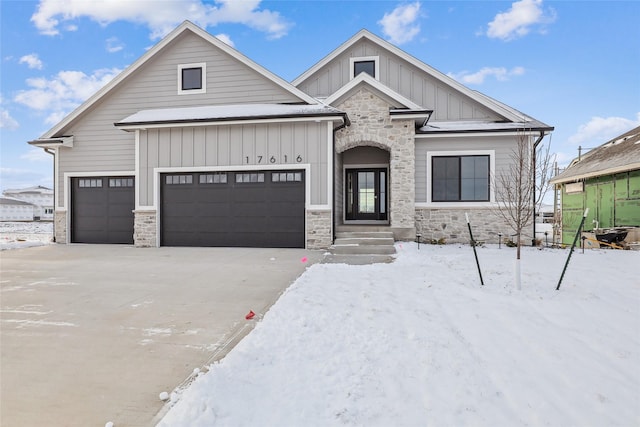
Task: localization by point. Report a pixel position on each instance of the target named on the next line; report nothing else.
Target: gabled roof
(498, 108)
(8, 201)
(185, 26)
(364, 79)
(35, 189)
(620, 154)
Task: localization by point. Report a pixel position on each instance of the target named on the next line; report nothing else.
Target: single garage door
(102, 209)
(248, 209)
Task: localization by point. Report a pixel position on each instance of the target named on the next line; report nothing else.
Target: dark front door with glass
(366, 195)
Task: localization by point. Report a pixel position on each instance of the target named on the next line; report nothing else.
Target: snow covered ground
(420, 342)
(15, 235)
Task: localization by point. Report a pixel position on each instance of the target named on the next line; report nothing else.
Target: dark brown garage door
(248, 209)
(102, 209)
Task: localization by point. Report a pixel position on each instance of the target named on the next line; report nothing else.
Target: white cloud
(36, 155)
(62, 93)
(225, 38)
(32, 61)
(599, 130)
(161, 20)
(399, 26)
(113, 45)
(518, 20)
(6, 121)
(499, 73)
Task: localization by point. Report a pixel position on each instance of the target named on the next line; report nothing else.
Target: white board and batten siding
(285, 146)
(402, 77)
(498, 147)
(99, 145)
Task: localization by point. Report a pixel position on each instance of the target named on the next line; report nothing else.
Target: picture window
(460, 178)
(368, 64)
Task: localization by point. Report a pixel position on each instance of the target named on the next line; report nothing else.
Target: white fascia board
(366, 79)
(186, 25)
(324, 61)
(229, 122)
(498, 109)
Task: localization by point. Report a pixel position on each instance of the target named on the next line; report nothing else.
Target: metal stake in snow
(473, 244)
(575, 240)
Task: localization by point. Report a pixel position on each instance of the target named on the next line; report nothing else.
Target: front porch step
(355, 249)
(362, 247)
(357, 259)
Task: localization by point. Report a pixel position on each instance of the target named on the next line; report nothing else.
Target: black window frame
(458, 179)
(183, 79)
(369, 63)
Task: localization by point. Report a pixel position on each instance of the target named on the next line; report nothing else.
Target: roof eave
(204, 121)
(560, 179)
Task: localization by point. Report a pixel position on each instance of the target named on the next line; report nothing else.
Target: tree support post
(473, 244)
(575, 240)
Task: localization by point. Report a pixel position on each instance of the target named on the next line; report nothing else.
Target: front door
(366, 195)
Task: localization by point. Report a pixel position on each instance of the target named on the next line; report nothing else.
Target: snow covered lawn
(16, 235)
(420, 342)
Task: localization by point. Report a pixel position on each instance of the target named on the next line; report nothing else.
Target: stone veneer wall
(319, 235)
(371, 125)
(60, 226)
(451, 225)
(144, 226)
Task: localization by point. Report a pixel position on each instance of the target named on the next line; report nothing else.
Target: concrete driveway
(93, 333)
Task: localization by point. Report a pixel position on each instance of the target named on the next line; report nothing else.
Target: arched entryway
(365, 186)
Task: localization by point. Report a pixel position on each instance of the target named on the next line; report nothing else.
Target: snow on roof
(476, 126)
(35, 189)
(227, 112)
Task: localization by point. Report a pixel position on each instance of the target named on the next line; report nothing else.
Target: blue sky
(574, 65)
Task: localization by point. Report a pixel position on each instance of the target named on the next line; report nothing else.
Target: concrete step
(357, 259)
(364, 235)
(356, 249)
(364, 241)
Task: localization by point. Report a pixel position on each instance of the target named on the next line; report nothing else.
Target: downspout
(345, 123)
(535, 147)
(53, 153)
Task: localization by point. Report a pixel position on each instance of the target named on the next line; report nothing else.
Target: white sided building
(38, 198)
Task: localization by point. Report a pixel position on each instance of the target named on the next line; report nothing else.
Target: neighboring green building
(607, 181)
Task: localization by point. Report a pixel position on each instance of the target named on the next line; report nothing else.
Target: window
(366, 64)
(192, 78)
(120, 182)
(286, 177)
(460, 178)
(179, 179)
(368, 67)
(250, 177)
(213, 178)
(90, 182)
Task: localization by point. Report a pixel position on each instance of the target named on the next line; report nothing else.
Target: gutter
(53, 153)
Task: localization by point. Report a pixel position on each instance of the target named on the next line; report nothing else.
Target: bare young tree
(521, 187)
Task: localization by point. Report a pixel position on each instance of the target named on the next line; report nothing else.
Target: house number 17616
(272, 159)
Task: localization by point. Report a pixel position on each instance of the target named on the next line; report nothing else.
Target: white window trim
(202, 65)
(492, 169)
(375, 59)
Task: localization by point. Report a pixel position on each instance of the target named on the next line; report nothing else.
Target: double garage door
(248, 209)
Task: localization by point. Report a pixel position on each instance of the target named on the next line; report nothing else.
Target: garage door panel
(102, 212)
(233, 213)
